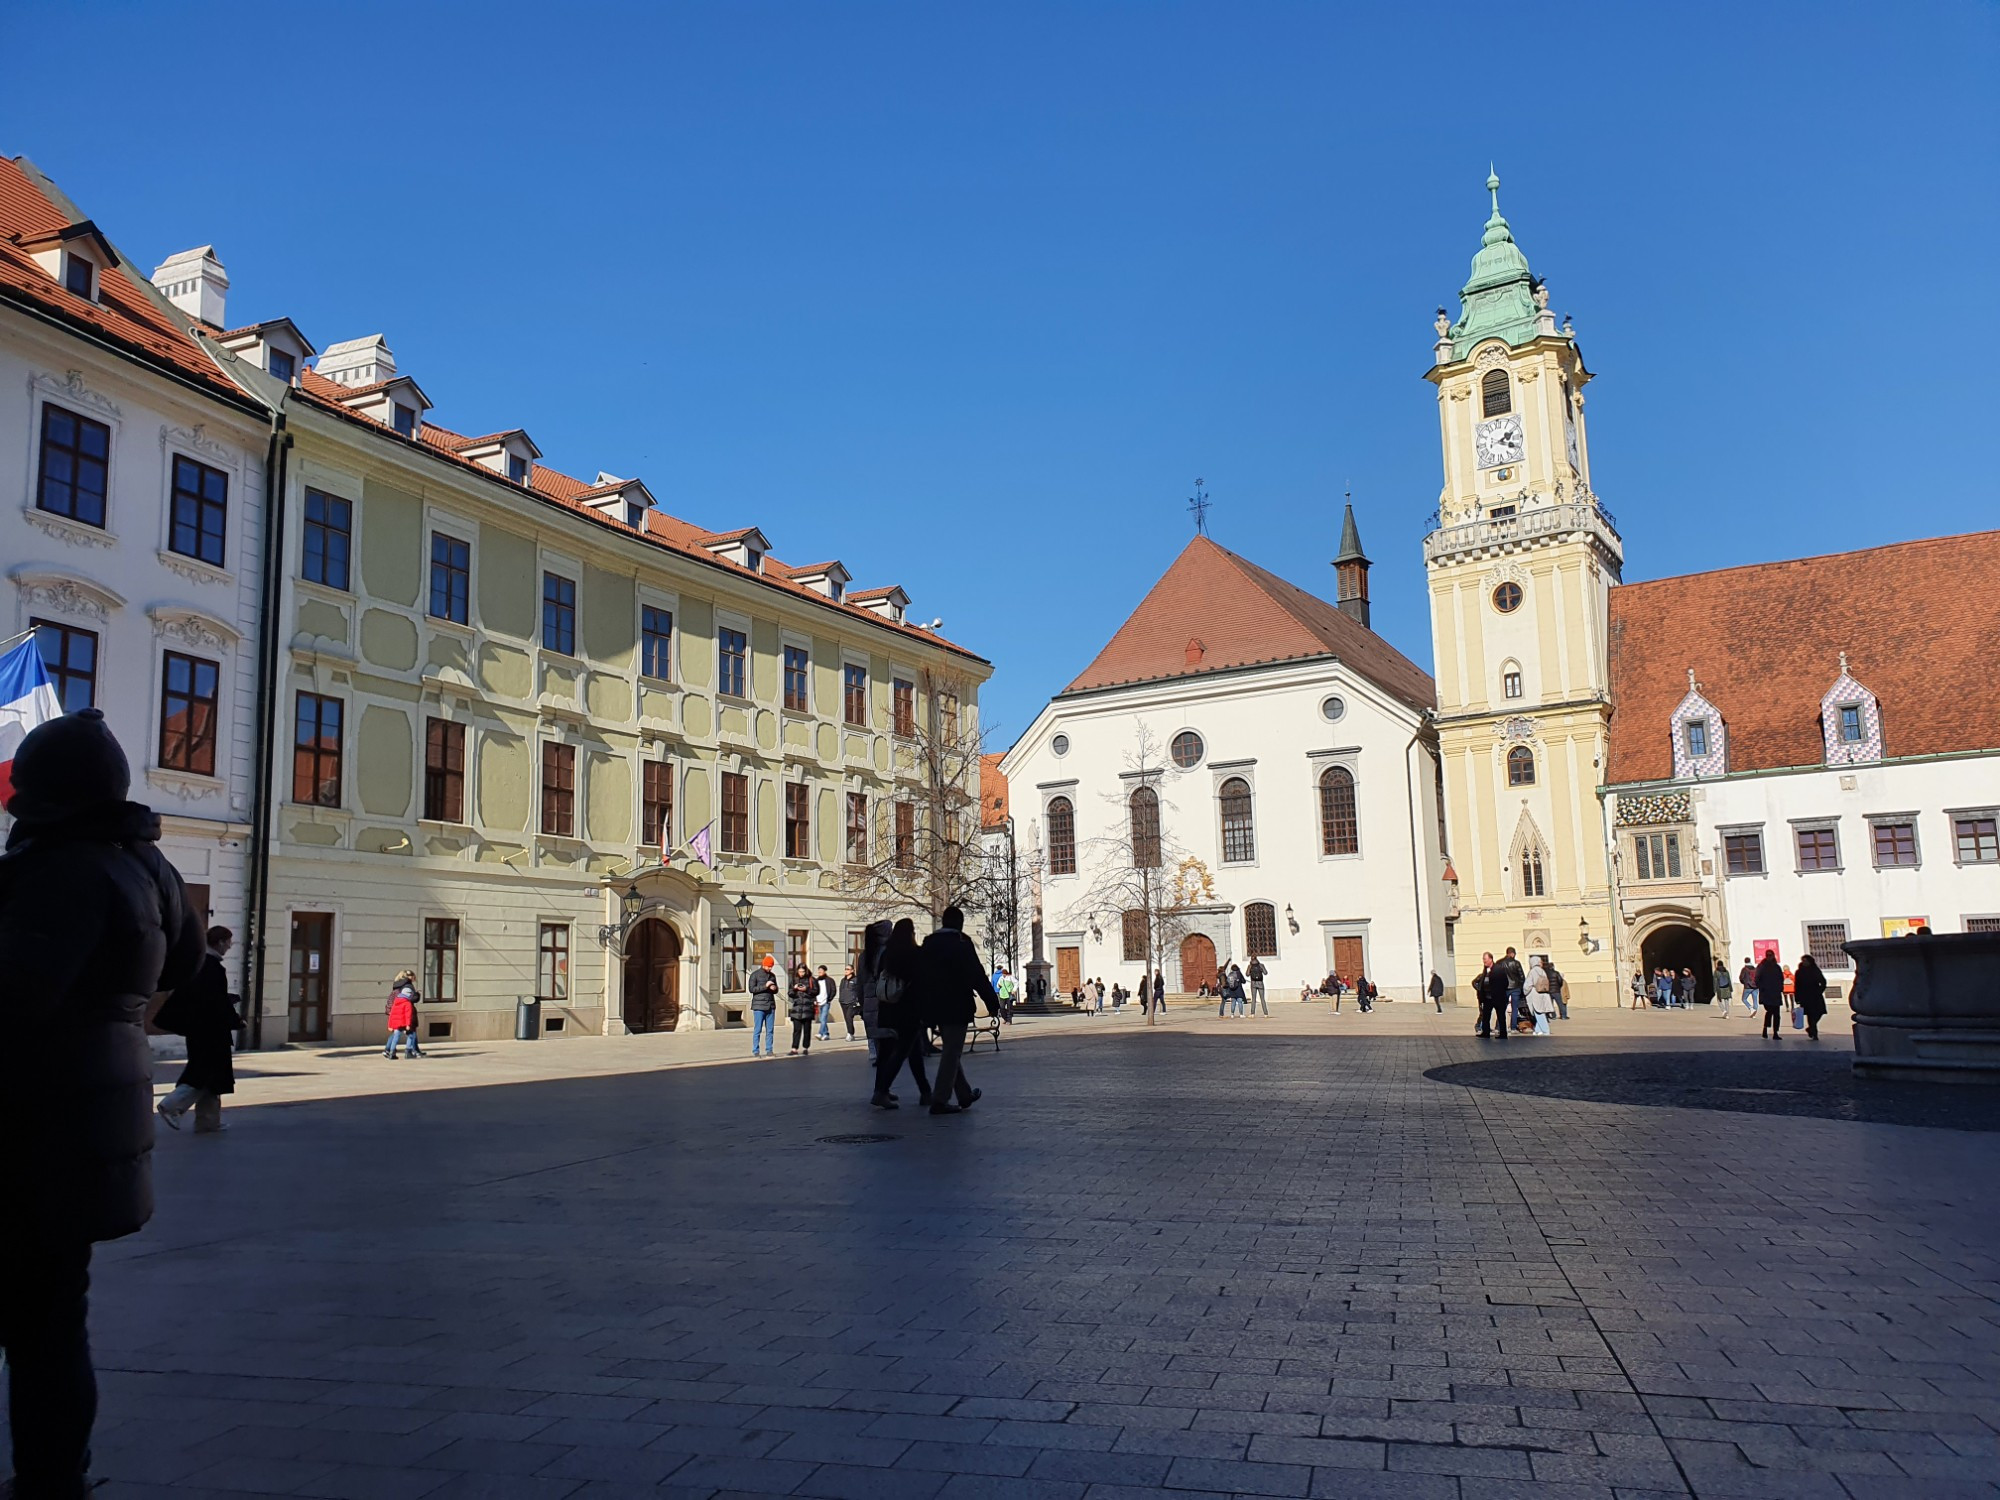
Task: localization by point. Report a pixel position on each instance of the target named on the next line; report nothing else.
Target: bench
(981, 1025)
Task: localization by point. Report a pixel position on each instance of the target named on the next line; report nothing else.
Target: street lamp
(1290, 920)
(630, 904)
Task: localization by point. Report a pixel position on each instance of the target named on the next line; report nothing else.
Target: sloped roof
(992, 792)
(1213, 611)
(1919, 622)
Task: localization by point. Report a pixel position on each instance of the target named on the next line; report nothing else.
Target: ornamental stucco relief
(72, 391)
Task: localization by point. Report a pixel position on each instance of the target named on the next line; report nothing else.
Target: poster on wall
(1903, 926)
(760, 950)
(1761, 946)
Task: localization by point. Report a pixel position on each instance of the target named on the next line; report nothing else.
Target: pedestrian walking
(1483, 990)
(1690, 988)
(949, 976)
(1663, 990)
(1558, 989)
(1746, 979)
(824, 993)
(93, 923)
(1255, 973)
(892, 962)
(1638, 990)
(849, 996)
(1724, 989)
(204, 1012)
(873, 939)
(1541, 1004)
(802, 1002)
(401, 1013)
(1770, 980)
(1437, 991)
(1809, 992)
(1513, 983)
(764, 1007)
(1364, 993)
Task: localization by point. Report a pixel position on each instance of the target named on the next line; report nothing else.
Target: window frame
(794, 678)
(656, 645)
(1190, 742)
(1135, 934)
(856, 844)
(1142, 814)
(271, 358)
(798, 820)
(798, 951)
(1511, 685)
(1521, 765)
(1752, 840)
(80, 268)
(1495, 384)
(734, 950)
(1836, 961)
(854, 694)
(1801, 832)
(1657, 855)
(324, 769)
(1059, 820)
(732, 663)
(730, 818)
(903, 707)
(1846, 714)
(324, 529)
(1985, 841)
(656, 804)
(61, 672)
(79, 456)
(1892, 824)
(1238, 824)
(197, 521)
(552, 955)
(1327, 785)
(1534, 874)
(436, 952)
(558, 613)
(198, 743)
(455, 567)
(444, 781)
(1255, 914)
(557, 788)
(1693, 730)
(904, 846)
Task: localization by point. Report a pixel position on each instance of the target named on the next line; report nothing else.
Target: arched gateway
(1679, 947)
(652, 977)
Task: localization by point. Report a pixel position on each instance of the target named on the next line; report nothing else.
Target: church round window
(1060, 744)
(1331, 709)
(1186, 749)
(1507, 598)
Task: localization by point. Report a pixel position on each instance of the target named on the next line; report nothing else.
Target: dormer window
(517, 468)
(1850, 719)
(283, 365)
(835, 590)
(80, 276)
(405, 419)
(1851, 729)
(276, 345)
(1496, 394)
(753, 559)
(635, 514)
(1697, 738)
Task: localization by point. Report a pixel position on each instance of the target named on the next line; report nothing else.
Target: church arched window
(1062, 837)
(1239, 834)
(1520, 766)
(1339, 829)
(1137, 937)
(1496, 394)
(1145, 809)
(1532, 882)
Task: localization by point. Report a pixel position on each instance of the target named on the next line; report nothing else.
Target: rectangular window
(1135, 936)
(1510, 684)
(316, 750)
(857, 941)
(734, 824)
(559, 614)
(903, 701)
(656, 803)
(795, 949)
(732, 653)
(854, 694)
(798, 820)
(282, 364)
(1982, 924)
(189, 689)
(78, 275)
(635, 514)
(1823, 940)
(552, 964)
(1697, 738)
(329, 540)
(857, 828)
(948, 715)
(1260, 929)
(199, 511)
(558, 790)
(735, 958)
(1895, 844)
(796, 669)
(444, 771)
(1850, 723)
(1658, 855)
(451, 578)
(656, 643)
(440, 960)
(406, 419)
(1977, 840)
(906, 836)
(75, 452)
(1819, 849)
(70, 657)
(517, 468)
(1743, 853)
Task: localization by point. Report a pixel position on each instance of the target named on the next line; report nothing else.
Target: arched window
(1260, 930)
(1062, 837)
(1520, 766)
(1145, 809)
(1135, 938)
(1339, 829)
(1496, 394)
(1239, 833)
(1532, 883)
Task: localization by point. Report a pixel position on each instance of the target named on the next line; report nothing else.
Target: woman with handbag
(1809, 995)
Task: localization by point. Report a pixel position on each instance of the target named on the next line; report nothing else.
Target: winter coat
(866, 973)
(1256, 970)
(203, 1012)
(1809, 989)
(402, 1012)
(1512, 976)
(1437, 987)
(850, 996)
(802, 1001)
(1770, 983)
(763, 988)
(1723, 986)
(1747, 978)
(1538, 979)
(93, 921)
(947, 979)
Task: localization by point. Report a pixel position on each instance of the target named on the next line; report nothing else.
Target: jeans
(207, 1107)
(1562, 1003)
(399, 1036)
(825, 1015)
(1257, 997)
(764, 1031)
(1517, 1008)
(51, 1388)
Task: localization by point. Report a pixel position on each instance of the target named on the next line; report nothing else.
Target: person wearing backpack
(1256, 973)
(764, 1007)
(203, 1011)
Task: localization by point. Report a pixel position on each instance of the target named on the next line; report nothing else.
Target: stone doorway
(653, 977)
(1678, 947)
(1197, 962)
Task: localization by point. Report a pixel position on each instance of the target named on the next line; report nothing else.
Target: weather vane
(1198, 508)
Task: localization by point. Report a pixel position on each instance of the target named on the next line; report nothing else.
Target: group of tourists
(1522, 1001)
(1239, 991)
(1764, 983)
(908, 991)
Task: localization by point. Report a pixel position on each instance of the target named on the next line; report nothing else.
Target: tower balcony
(1537, 526)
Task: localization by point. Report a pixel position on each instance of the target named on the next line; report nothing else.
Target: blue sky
(968, 295)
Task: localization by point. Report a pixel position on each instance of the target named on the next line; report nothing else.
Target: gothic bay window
(1976, 838)
(656, 643)
(797, 668)
(857, 828)
(734, 824)
(1135, 946)
(328, 540)
(732, 649)
(74, 454)
(451, 579)
(69, 655)
(1339, 823)
(1657, 856)
(559, 614)
(444, 771)
(1819, 849)
(558, 790)
(317, 724)
(1062, 836)
(906, 836)
(1521, 766)
(1260, 930)
(1145, 814)
(1895, 843)
(798, 820)
(903, 705)
(198, 510)
(854, 694)
(1239, 833)
(656, 803)
(1743, 853)
(189, 691)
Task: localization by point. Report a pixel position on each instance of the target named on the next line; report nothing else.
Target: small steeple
(1350, 570)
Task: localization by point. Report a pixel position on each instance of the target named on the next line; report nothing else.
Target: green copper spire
(1498, 301)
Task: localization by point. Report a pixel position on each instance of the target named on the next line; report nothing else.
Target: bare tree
(919, 849)
(1141, 878)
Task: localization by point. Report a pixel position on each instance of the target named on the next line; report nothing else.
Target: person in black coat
(1809, 991)
(949, 976)
(1771, 990)
(203, 1011)
(93, 922)
(894, 965)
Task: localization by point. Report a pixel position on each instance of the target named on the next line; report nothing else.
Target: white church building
(1269, 735)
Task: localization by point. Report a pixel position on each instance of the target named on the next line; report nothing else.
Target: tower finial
(1693, 686)
(1843, 664)
(1493, 186)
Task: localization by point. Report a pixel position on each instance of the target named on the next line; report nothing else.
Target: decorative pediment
(1850, 719)
(72, 391)
(192, 627)
(54, 592)
(1701, 740)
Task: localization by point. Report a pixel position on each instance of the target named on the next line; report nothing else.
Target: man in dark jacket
(1513, 986)
(92, 923)
(203, 1011)
(951, 975)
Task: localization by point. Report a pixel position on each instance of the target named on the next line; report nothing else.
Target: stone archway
(1677, 946)
(652, 976)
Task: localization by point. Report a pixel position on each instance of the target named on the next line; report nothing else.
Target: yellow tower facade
(1521, 561)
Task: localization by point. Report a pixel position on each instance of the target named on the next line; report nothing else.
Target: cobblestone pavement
(1216, 1259)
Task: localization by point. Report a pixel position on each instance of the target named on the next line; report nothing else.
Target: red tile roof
(992, 792)
(1919, 621)
(124, 314)
(1213, 611)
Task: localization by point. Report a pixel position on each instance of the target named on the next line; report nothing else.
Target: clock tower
(1521, 560)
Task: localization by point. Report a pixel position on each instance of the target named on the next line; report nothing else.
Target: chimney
(195, 282)
(363, 361)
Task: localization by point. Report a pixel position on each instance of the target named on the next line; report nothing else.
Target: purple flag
(698, 847)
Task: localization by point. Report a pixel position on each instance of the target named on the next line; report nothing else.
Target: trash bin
(527, 1019)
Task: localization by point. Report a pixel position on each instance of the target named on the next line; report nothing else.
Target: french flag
(27, 698)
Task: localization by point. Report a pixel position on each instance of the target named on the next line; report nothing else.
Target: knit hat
(67, 766)
(768, 962)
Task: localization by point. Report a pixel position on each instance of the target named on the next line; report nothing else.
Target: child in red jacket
(403, 1015)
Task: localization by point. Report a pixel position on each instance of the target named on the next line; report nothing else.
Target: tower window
(1697, 738)
(1520, 766)
(1850, 723)
(1533, 882)
(1496, 394)
(1507, 598)
(1510, 684)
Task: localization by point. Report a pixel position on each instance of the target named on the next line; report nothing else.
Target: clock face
(1499, 441)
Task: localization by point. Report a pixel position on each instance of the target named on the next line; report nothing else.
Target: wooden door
(653, 978)
(1069, 970)
(1197, 962)
(308, 975)
(1347, 957)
